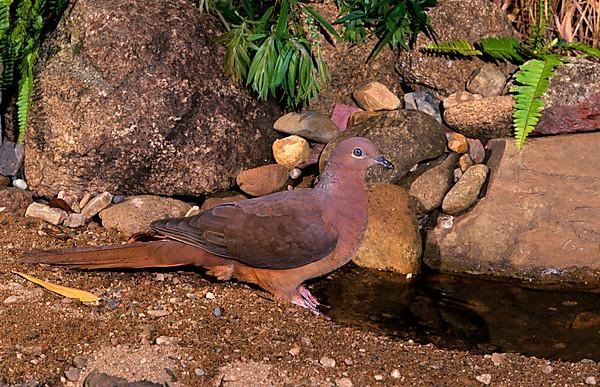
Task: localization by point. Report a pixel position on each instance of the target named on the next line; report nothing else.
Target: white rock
(97, 204)
(41, 211)
(20, 184)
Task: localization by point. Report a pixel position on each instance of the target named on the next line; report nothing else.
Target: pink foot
(306, 300)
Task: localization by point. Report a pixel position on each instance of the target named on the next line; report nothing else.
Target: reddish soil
(254, 342)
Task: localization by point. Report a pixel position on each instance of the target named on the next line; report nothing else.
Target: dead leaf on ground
(81, 295)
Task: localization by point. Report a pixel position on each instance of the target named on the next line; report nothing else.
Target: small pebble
(395, 374)
(217, 312)
(118, 199)
(12, 299)
(343, 382)
(295, 350)
(379, 377)
(199, 372)
(498, 358)
(327, 362)
(80, 362)
(210, 296)
(305, 341)
(166, 340)
(295, 173)
(158, 313)
(20, 184)
(547, 369)
(72, 374)
(348, 362)
(484, 378)
(591, 380)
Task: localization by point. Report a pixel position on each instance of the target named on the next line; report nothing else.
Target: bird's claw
(306, 300)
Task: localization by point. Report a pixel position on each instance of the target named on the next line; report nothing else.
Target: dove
(276, 242)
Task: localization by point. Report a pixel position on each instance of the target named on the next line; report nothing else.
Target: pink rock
(341, 114)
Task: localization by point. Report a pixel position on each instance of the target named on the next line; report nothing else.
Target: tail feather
(161, 253)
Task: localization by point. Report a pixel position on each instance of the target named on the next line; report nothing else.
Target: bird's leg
(305, 293)
(306, 300)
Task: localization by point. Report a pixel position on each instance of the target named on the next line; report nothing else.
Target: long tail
(161, 253)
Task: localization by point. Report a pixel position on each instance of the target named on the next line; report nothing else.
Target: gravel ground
(179, 328)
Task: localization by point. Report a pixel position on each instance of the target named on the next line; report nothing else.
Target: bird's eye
(357, 152)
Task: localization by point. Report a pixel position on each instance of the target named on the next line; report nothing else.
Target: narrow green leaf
(323, 22)
(282, 21)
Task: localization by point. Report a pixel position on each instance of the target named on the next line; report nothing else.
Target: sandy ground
(163, 326)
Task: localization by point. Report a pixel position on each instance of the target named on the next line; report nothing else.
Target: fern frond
(23, 105)
(460, 47)
(503, 48)
(579, 46)
(533, 78)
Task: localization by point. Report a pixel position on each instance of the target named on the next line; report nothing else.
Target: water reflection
(467, 313)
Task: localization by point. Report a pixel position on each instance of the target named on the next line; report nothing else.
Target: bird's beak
(384, 162)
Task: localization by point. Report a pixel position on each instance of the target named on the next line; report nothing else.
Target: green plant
(395, 23)
(537, 58)
(22, 23)
(275, 47)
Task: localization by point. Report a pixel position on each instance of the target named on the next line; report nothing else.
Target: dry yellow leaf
(82, 295)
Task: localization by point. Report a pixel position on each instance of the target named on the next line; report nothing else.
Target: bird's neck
(341, 183)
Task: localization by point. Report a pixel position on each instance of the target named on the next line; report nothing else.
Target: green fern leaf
(503, 48)
(588, 50)
(23, 104)
(533, 79)
(460, 47)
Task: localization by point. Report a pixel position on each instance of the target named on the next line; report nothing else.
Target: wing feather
(281, 231)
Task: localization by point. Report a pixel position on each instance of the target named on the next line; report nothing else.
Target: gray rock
(217, 312)
(72, 374)
(139, 103)
(487, 80)
(424, 102)
(313, 126)
(96, 204)
(118, 199)
(48, 214)
(466, 191)
(539, 215)
(74, 220)
(135, 214)
(430, 187)
(476, 150)
(11, 157)
(405, 137)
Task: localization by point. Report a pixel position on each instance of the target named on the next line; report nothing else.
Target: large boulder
(453, 19)
(130, 97)
(539, 219)
(572, 102)
(405, 137)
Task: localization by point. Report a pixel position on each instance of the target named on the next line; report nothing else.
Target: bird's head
(358, 153)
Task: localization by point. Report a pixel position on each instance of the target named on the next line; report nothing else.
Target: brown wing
(281, 231)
